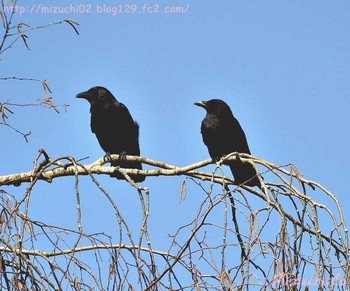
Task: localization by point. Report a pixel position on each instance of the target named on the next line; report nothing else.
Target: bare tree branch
(11, 34)
(278, 238)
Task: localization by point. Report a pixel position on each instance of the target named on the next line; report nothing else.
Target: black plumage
(115, 129)
(223, 134)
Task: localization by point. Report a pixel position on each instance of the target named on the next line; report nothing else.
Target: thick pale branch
(98, 168)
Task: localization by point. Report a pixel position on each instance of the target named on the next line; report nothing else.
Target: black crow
(223, 134)
(115, 129)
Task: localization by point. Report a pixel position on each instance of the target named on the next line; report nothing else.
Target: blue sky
(282, 66)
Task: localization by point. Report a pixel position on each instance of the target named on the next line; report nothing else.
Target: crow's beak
(201, 104)
(83, 95)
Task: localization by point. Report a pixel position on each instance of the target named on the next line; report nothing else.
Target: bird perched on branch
(223, 134)
(115, 129)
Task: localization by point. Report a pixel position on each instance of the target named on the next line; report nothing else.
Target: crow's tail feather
(244, 173)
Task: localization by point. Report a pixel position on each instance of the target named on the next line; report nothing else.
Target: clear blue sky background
(282, 66)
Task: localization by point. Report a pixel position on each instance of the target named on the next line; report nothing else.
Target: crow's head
(97, 96)
(215, 107)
